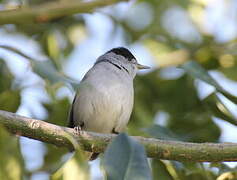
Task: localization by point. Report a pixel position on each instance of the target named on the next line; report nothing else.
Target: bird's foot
(114, 132)
(78, 130)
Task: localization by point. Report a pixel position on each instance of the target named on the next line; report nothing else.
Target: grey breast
(105, 99)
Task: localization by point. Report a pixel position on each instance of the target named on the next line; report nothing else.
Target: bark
(49, 11)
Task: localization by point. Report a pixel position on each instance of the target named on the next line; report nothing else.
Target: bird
(105, 97)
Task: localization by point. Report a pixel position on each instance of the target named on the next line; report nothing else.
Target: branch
(95, 142)
(50, 11)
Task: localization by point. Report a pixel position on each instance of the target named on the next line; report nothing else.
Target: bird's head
(124, 59)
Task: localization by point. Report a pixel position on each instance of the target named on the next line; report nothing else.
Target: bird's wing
(70, 116)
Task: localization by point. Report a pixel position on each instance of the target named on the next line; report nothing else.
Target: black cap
(123, 52)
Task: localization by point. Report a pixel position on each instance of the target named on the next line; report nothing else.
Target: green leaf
(160, 171)
(45, 69)
(189, 170)
(53, 158)
(161, 132)
(10, 100)
(186, 115)
(75, 168)
(145, 104)
(5, 77)
(11, 160)
(230, 96)
(125, 159)
(221, 167)
(230, 72)
(218, 109)
(197, 71)
(58, 111)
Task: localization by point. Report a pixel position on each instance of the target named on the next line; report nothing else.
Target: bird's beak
(139, 66)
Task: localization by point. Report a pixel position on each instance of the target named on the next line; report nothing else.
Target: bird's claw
(78, 130)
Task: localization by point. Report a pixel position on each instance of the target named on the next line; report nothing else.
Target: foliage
(184, 52)
(130, 161)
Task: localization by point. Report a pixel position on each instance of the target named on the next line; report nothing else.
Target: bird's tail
(90, 156)
(94, 156)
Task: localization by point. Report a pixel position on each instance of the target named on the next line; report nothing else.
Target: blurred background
(40, 63)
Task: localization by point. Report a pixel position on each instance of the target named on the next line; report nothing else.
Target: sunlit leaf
(228, 176)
